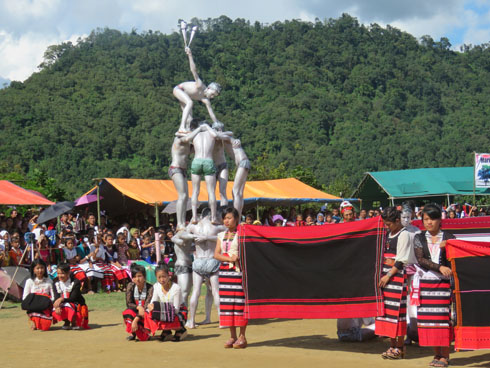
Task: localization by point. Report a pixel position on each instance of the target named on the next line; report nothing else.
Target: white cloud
(27, 27)
(30, 8)
(21, 56)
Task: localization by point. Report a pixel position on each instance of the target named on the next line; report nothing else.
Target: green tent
(435, 184)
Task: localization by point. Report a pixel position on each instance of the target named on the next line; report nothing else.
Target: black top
(130, 300)
(75, 294)
(423, 254)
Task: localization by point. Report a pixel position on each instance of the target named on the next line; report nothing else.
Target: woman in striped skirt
(398, 252)
(231, 294)
(432, 286)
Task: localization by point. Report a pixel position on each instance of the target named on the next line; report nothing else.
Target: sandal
(435, 360)
(230, 342)
(182, 334)
(397, 353)
(241, 343)
(387, 352)
(166, 336)
(442, 363)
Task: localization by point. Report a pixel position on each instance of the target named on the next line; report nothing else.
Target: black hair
(194, 123)
(250, 216)
(433, 211)
(410, 204)
(232, 211)
(65, 267)
(390, 214)
(162, 266)
(136, 268)
(38, 261)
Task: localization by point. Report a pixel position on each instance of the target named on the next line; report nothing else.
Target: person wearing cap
(347, 212)
(278, 220)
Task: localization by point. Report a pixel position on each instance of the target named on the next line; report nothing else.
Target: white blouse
(174, 295)
(44, 286)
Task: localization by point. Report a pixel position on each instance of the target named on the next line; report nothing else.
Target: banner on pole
(482, 170)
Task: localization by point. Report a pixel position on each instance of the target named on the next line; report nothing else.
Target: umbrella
(172, 207)
(16, 289)
(54, 211)
(86, 199)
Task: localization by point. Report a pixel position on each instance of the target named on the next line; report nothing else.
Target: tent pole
(448, 201)
(474, 180)
(392, 201)
(98, 204)
(157, 216)
(157, 246)
(257, 208)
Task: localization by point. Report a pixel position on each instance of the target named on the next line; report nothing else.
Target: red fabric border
(471, 338)
(314, 233)
(461, 248)
(482, 222)
(312, 311)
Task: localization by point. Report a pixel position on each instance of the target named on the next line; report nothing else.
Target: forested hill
(335, 96)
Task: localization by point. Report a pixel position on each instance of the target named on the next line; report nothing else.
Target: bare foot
(90, 292)
(193, 221)
(205, 322)
(190, 325)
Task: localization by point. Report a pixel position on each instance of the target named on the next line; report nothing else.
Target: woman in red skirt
(138, 295)
(231, 294)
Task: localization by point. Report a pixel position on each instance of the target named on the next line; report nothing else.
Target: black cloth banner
(470, 263)
(328, 271)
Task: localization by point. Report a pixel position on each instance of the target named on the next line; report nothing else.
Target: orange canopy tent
(11, 194)
(141, 192)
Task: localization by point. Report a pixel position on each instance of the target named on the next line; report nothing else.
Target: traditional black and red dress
(231, 294)
(394, 321)
(135, 298)
(37, 300)
(73, 307)
(432, 291)
(169, 312)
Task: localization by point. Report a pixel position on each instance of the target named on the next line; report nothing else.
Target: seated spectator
(133, 252)
(299, 220)
(336, 215)
(320, 219)
(309, 221)
(249, 219)
(362, 215)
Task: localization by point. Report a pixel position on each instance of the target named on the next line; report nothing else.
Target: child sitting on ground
(69, 305)
(166, 310)
(138, 295)
(133, 252)
(38, 297)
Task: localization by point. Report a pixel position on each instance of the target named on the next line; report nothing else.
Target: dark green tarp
(430, 183)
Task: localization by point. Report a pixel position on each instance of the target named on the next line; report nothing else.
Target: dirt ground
(272, 343)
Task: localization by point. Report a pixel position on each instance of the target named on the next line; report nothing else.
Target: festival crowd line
(79, 256)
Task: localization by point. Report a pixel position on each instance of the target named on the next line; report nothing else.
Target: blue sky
(28, 27)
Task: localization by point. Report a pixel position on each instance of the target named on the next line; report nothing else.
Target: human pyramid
(163, 306)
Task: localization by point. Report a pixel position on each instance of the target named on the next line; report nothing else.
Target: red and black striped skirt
(433, 313)
(231, 297)
(394, 321)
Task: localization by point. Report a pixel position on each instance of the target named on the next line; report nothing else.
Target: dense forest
(329, 100)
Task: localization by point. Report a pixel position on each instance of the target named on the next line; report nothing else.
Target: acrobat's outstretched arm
(192, 64)
(206, 102)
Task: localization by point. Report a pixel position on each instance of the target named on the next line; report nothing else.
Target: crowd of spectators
(132, 237)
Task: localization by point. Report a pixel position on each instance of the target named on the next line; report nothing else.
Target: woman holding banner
(432, 286)
(397, 254)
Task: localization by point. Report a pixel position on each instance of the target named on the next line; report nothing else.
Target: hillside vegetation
(332, 98)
